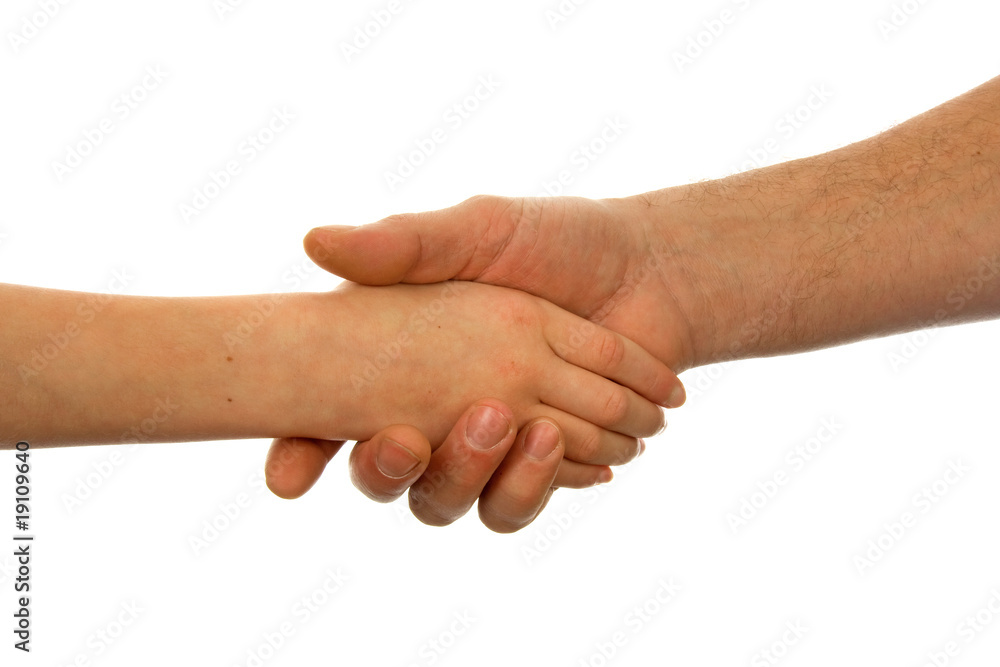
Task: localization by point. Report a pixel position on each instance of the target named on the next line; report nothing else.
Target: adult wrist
(713, 256)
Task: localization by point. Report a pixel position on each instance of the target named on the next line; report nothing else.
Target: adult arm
(893, 233)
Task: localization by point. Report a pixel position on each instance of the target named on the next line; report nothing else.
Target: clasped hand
(480, 392)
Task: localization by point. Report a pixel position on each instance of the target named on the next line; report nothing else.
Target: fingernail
(677, 397)
(486, 427)
(542, 440)
(642, 446)
(606, 476)
(394, 460)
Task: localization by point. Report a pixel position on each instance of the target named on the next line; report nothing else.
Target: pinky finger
(575, 475)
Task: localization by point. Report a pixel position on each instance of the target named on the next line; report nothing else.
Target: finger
(414, 247)
(575, 475)
(602, 402)
(462, 466)
(293, 465)
(519, 487)
(384, 467)
(586, 443)
(587, 345)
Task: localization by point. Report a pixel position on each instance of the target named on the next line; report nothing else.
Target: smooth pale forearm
(79, 368)
(894, 233)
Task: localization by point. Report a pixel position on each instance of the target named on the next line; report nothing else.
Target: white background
(665, 515)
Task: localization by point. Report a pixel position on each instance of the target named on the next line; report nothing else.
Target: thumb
(413, 247)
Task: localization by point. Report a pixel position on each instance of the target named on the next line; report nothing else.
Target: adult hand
(510, 480)
(606, 260)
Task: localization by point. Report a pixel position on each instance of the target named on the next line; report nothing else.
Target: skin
(894, 233)
(178, 369)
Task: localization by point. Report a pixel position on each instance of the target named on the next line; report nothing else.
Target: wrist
(730, 257)
(313, 356)
(826, 250)
(328, 357)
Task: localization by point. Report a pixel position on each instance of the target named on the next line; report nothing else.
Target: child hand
(421, 354)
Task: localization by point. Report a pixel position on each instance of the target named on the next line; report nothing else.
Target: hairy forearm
(79, 368)
(897, 232)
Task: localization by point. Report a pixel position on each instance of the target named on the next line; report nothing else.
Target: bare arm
(331, 366)
(80, 368)
(897, 232)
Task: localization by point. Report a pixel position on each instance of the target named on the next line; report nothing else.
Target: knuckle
(398, 219)
(616, 405)
(610, 352)
(587, 446)
(483, 206)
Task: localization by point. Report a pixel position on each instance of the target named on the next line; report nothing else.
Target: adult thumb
(413, 247)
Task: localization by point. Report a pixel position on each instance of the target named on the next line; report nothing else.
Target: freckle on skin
(229, 358)
(230, 400)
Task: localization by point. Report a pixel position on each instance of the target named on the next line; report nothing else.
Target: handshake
(505, 347)
(492, 393)
(495, 351)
